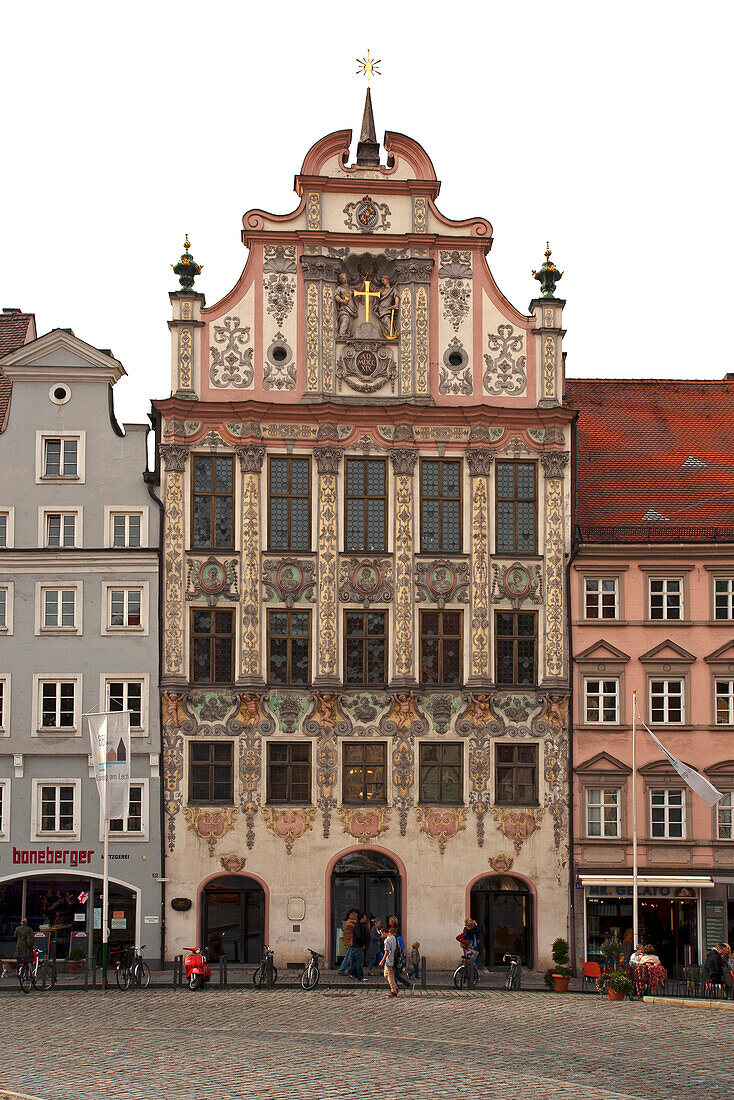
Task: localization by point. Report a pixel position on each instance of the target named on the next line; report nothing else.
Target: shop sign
(150, 920)
(642, 892)
(58, 857)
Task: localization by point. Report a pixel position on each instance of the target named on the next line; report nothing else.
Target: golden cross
(368, 67)
(367, 294)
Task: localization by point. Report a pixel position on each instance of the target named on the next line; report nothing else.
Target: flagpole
(105, 897)
(635, 929)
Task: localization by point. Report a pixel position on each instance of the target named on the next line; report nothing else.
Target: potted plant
(559, 975)
(75, 960)
(612, 951)
(617, 984)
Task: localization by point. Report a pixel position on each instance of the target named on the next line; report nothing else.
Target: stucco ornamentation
(210, 825)
(517, 825)
(313, 210)
(403, 461)
(420, 213)
(184, 358)
(549, 368)
(517, 583)
(232, 863)
(174, 457)
(366, 365)
(251, 458)
(501, 863)
(367, 216)
(505, 372)
(421, 341)
(403, 723)
(554, 463)
(441, 825)
(289, 825)
(365, 825)
(312, 337)
(212, 580)
(327, 722)
(454, 372)
(555, 769)
(405, 316)
(555, 654)
(455, 286)
(288, 581)
(440, 708)
(442, 581)
(365, 580)
(327, 460)
(231, 362)
(279, 267)
(279, 370)
(480, 655)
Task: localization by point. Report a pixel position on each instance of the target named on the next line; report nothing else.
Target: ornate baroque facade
(364, 467)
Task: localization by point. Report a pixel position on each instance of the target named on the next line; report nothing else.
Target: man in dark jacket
(23, 941)
(359, 942)
(716, 965)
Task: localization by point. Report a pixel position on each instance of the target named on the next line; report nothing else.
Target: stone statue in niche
(387, 307)
(346, 308)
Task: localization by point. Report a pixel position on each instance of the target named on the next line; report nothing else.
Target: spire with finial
(548, 274)
(368, 148)
(187, 268)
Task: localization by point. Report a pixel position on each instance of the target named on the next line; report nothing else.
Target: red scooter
(198, 970)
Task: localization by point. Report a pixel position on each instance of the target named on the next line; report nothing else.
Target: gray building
(79, 537)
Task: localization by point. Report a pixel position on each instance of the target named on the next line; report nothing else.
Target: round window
(279, 354)
(59, 393)
(455, 359)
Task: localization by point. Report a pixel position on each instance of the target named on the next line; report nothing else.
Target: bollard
(423, 971)
(177, 971)
(94, 975)
(86, 973)
(519, 974)
(269, 972)
(222, 970)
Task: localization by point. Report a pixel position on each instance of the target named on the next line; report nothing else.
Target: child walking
(415, 961)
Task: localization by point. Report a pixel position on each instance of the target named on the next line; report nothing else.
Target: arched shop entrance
(368, 881)
(502, 906)
(233, 918)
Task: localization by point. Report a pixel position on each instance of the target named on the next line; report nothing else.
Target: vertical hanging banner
(110, 738)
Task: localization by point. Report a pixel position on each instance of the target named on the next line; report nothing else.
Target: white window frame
(602, 680)
(666, 700)
(39, 678)
(107, 588)
(142, 678)
(666, 581)
(600, 581)
(132, 837)
(47, 510)
(729, 809)
(36, 802)
(4, 811)
(80, 436)
(8, 587)
(77, 587)
(9, 512)
(729, 582)
(729, 695)
(120, 510)
(601, 805)
(5, 710)
(667, 806)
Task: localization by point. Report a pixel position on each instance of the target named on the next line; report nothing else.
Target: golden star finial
(368, 67)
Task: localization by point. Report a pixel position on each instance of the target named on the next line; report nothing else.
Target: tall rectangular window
(366, 502)
(60, 457)
(440, 506)
(213, 502)
(602, 812)
(212, 647)
(516, 774)
(666, 701)
(602, 700)
(125, 607)
(515, 643)
(725, 817)
(725, 702)
(59, 607)
(516, 494)
(127, 695)
(289, 771)
(3, 608)
(364, 771)
(441, 771)
(2, 705)
(441, 647)
(57, 808)
(60, 529)
(724, 598)
(133, 822)
(57, 704)
(288, 647)
(211, 772)
(126, 527)
(601, 599)
(365, 644)
(289, 503)
(667, 814)
(3, 530)
(666, 598)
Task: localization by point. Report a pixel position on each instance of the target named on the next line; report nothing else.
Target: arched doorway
(502, 906)
(367, 881)
(233, 918)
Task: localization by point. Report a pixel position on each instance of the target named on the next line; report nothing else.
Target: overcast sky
(605, 128)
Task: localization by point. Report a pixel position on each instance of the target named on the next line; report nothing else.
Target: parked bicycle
(136, 973)
(466, 975)
(38, 972)
(512, 980)
(311, 975)
(260, 976)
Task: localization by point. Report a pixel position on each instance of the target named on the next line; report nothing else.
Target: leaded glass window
(516, 774)
(515, 638)
(365, 643)
(363, 771)
(211, 771)
(213, 502)
(289, 504)
(441, 771)
(288, 647)
(516, 498)
(441, 648)
(212, 647)
(366, 498)
(440, 506)
(289, 771)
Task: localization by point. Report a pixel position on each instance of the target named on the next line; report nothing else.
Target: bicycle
(467, 973)
(136, 973)
(512, 980)
(260, 976)
(311, 975)
(39, 973)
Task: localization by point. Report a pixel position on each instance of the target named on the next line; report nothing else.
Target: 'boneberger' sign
(53, 856)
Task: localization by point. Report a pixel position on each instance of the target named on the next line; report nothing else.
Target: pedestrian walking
(415, 961)
(374, 949)
(23, 941)
(348, 942)
(389, 949)
(359, 942)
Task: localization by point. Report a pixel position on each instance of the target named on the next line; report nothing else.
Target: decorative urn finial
(187, 268)
(548, 275)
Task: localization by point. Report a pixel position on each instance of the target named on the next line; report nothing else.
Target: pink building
(652, 604)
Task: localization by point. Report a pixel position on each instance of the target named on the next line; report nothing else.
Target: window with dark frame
(212, 646)
(441, 648)
(289, 637)
(212, 526)
(289, 504)
(364, 766)
(133, 823)
(516, 775)
(60, 457)
(211, 772)
(515, 644)
(516, 499)
(440, 506)
(441, 777)
(365, 502)
(365, 645)
(289, 771)
(57, 808)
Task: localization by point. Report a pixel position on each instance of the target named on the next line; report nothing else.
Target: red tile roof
(16, 329)
(633, 439)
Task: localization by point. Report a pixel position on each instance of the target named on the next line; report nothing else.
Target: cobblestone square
(333, 1043)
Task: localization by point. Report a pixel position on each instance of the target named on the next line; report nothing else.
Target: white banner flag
(110, 738)
(694, 779)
